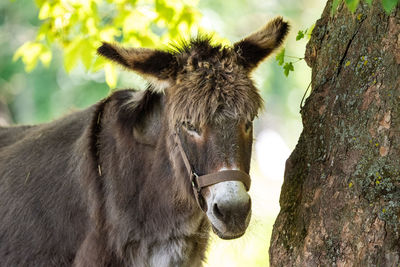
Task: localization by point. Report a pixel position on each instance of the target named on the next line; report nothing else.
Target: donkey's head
(210, 106)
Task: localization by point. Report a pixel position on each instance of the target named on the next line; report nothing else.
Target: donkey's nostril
(226, 211)
(217, 212)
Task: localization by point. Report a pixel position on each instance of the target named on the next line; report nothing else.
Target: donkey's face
(211, 104)
(215, 147)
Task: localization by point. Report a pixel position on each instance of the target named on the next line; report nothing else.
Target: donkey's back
(9, 135)
(42, 211)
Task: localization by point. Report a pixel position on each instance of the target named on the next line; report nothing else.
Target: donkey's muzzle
(229, 209)
(200, 182)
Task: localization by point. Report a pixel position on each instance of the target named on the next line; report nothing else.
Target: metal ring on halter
(195, 184)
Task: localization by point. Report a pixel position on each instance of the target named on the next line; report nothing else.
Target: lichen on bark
(340, 201)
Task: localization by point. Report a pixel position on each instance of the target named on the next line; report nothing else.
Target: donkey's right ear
(156, 66)
(259, 45)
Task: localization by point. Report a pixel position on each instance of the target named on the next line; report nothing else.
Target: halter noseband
(199, 182)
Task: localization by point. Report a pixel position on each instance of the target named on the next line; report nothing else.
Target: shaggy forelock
(211, 85)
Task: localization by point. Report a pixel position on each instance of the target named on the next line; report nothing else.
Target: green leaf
(71, 54)
(44, 11)
(388, 5)
(280, 57)
(98, 64)
(76, 26)
(30, 53)
(146, 41)
(352, 5)
(111, 75)
(335, 5)
(369, 2)
(309, 31)
(164, 10)
(39, 3)
(45, 56)
(187, 15)
(288, 67)
(300, 35)
(108, 33)
(87, 52)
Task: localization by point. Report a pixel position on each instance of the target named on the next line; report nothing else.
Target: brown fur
(218, 86)
(260, 44)
(106, 186)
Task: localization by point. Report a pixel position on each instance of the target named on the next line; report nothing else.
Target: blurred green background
(47, 93)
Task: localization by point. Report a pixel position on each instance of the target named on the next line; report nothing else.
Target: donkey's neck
(147, 198)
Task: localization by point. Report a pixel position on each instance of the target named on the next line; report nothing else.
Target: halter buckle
(194, 181)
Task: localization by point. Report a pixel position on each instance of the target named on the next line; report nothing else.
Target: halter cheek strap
(199, 182)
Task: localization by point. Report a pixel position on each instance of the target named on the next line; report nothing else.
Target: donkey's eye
(248, 126)
(190, 127)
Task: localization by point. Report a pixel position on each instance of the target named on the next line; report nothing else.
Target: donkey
(139, 178)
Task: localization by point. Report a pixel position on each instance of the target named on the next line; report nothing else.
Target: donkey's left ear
(257, 46)
(158, 67)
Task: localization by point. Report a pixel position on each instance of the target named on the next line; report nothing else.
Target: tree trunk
(340, 200)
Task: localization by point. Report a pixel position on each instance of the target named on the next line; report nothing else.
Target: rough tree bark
(340, 201)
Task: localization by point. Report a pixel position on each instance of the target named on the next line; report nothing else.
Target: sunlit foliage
(79, 27)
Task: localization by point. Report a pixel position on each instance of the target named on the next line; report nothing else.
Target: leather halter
(199, 182)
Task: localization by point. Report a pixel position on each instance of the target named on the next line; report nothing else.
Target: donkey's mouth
(226, 236)
(230, 229)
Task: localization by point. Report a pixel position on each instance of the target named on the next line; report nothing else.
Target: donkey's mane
(211, 83)
(203, 43)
